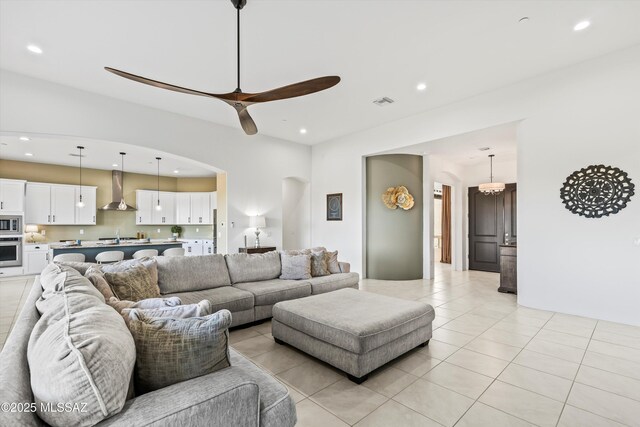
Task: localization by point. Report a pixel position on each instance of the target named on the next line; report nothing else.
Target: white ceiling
(97, 155)
(379, 48)
(464, 149)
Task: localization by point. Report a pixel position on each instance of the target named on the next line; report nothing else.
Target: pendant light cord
(158, 159)
(80, 148)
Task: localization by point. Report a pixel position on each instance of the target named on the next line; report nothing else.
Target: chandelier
(491, 188)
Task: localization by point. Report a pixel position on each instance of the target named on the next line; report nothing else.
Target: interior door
(491, 218)
(486, 230)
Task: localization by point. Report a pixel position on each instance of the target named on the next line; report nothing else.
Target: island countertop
(123, 243)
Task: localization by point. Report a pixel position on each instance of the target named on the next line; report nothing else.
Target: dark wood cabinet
(260, 250)
(508, 269)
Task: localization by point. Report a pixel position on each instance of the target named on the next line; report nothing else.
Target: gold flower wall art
(398, 197)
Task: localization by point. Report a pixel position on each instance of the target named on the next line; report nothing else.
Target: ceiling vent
(381, 102)
(484, 148)
(77, 155)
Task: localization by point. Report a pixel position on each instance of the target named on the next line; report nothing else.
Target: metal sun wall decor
(597, 191)
(398, 197)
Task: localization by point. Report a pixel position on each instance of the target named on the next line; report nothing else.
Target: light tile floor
(489, 363)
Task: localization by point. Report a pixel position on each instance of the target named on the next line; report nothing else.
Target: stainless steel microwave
(10, 225)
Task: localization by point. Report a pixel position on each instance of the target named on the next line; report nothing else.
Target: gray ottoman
(355, 331)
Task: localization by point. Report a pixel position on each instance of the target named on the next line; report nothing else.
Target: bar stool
(173, 252)
(142, 253)
(108, 257)
(72, 257)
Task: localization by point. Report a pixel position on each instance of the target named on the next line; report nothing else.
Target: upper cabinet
(147, 205)
(11, 196)
(194, 208)
(56, 204)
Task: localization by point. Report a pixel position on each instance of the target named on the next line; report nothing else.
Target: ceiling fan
(238, 99)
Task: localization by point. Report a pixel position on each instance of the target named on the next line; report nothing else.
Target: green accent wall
(394, 241)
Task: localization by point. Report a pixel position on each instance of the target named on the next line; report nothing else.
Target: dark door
(490, 217)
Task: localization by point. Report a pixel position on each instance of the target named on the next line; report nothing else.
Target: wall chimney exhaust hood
(117, 195)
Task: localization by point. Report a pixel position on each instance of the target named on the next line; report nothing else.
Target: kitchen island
(90, 249)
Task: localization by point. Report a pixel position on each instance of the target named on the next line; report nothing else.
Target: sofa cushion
(253, 267)
(333, 282)
(228, 297)
(269, 292)
(277, 408)
(80, 351)
(354, 320)
(191, 273)
(295, 267)
(132, 284)
(171, 350)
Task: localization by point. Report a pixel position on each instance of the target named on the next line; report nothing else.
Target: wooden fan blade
(159, 84)
(247, 122)
(294, 90)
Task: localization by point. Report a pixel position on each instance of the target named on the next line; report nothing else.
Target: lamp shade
(257, 221)
(31, 228)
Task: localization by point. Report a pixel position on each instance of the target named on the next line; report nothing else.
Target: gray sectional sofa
(240, 395)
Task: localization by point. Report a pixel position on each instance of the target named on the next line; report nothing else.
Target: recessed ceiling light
(581, 25)
(176, 171)
(24, 138)
(115, 165)
(421, 86)
(303, 131)
(28, 154)
(34, 49)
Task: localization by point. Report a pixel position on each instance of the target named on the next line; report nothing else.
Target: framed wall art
(334, 207)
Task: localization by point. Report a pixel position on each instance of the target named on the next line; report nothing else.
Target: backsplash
(110, 221)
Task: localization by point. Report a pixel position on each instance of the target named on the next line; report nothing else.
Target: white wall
(255, 165)
(584, 114)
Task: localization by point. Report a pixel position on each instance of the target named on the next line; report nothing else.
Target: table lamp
(33, 229)
(257, 222)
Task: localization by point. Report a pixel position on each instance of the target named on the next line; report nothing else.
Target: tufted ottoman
(355, 331)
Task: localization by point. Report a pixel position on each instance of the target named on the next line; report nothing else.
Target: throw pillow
(295, 267)
(297, 251)
(319, 265)
(201, 309)
(149, 263)
(133, 284)
(144, 304)
(82, 267)
(332, 262)
(170, 350)
(96, 277)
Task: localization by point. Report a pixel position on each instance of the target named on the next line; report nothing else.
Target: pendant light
(123, 205)
(80, 203)
(491, 188)
(158, 207)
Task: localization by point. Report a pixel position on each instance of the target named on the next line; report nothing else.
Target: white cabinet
(36, 258)
(63, 201)
(146, 203)
(11, 196)
(213, 204)
(38, 204)
(183, 208)
(56, 204)
(86, 215)
(193, 209)
(166, 215)
(192, 247)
